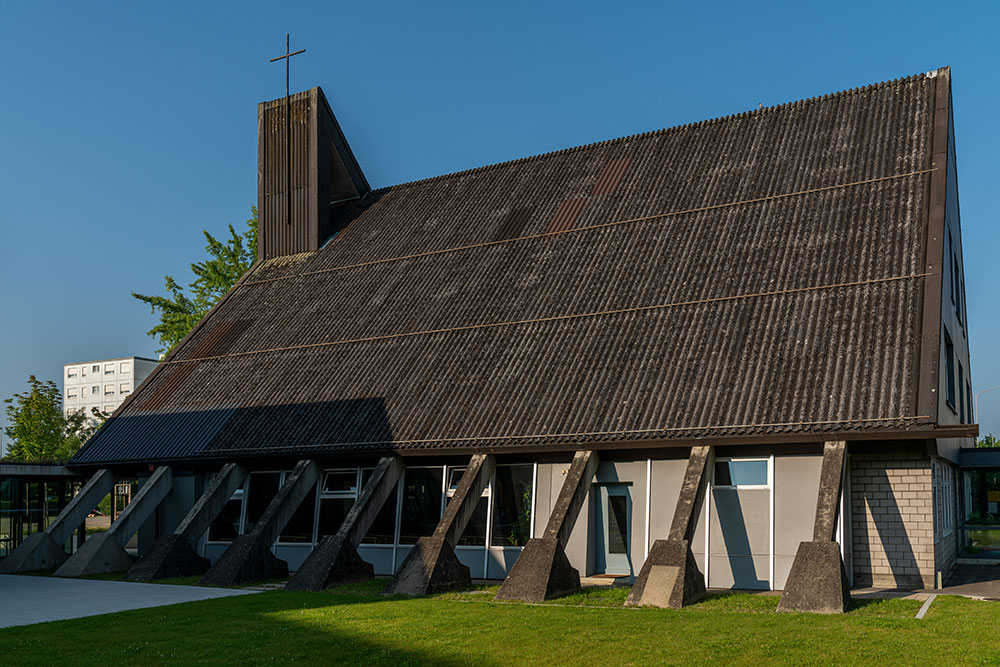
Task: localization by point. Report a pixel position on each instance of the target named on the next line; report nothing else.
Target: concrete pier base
(99, 554)
(38, 551)
(817, 581)
(333, 561)
(431, 567)
(245, 561)
(669, 577)
(542, 571)
(170, 556)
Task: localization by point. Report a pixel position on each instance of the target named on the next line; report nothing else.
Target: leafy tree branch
(180, 311)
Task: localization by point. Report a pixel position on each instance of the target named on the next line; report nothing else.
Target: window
(949, 364)
(108, 409)
(337, 496)
(123, 367)
(261, 489)
(421, 508)
(511, 505)
(71, 393)
(109, 390)
(124, 388)
(968, 401)
(83, 371)
(71, 372)
(95, 390)
(83, 391)
(226, 525)
(957, 286)
(944, 500)
(961, 393)
(109, 369)
(741, 472)
(950, 248)
(96, 368)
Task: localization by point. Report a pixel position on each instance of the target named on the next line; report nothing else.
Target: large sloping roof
(756, 274)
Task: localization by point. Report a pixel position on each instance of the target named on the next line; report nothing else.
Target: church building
(729, 354)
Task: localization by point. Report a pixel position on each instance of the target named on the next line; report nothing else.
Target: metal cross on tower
(288, 127)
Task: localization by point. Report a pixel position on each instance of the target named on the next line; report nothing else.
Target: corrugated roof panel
(755, 274)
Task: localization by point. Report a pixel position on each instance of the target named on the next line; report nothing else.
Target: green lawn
(356, 624)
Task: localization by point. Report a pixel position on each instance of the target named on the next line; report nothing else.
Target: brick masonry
(892, 512)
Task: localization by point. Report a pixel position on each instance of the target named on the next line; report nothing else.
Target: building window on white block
(109, 369)
(71, 393)
(95, 390)
(109, 390)
(83, 371)
(96, 369)
(71, 372)
(125, 388)
(108, 409)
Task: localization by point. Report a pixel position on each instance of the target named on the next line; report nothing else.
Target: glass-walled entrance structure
(31, 497)
(979, 533)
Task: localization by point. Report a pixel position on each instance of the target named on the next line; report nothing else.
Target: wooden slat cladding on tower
(611, 176)
(321, 168)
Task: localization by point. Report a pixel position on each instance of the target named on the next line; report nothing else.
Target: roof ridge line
(663, 131)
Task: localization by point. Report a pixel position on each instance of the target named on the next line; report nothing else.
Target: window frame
(949, 364)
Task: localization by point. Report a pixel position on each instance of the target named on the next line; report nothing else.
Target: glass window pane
(260, 492)
(421, 503)
(341, 482)
(226, 525)
(617, 524)
(332, 512)
(741, 473)
(475, 531)
(512, 506)
(300, 527)
(454, 477)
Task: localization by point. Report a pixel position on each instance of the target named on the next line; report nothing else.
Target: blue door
(613, 513)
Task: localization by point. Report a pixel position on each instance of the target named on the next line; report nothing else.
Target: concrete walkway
(27, 599)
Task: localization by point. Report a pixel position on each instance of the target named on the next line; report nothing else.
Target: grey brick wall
(892, 512)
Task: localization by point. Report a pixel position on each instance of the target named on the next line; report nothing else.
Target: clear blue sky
(129, 127)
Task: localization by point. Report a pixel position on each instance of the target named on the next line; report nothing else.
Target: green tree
(179, 312)
(988, 441)
(38, 429)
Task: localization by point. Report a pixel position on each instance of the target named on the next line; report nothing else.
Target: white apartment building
(102, 384)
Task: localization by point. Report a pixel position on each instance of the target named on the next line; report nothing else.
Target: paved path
(27, 599)
(980, 581)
